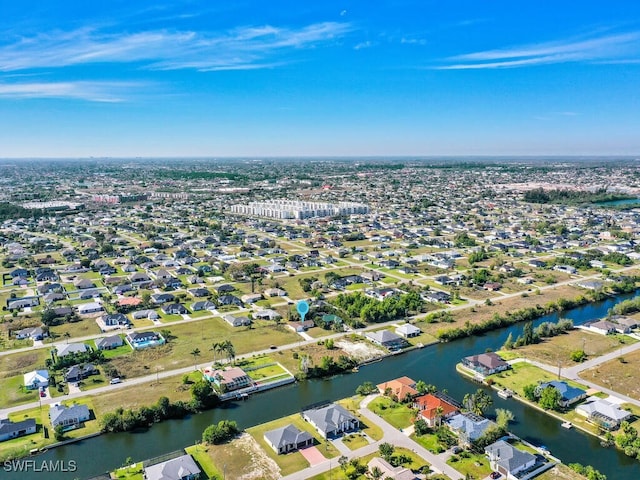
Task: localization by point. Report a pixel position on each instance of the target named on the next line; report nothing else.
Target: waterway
(434, 364)
(626, 201)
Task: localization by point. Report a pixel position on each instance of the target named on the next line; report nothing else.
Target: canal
(434, 364)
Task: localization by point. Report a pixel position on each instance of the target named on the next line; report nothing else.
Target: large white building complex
(297, 210)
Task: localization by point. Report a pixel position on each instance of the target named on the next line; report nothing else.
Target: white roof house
(407, 330)
(36, 379)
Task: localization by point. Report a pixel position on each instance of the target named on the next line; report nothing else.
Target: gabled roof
(595, 405)
(329, 417)
(508, 456)
(175, 469)
(8, 427)
(400, 387)
(472, 425)
(60, 413)
(567, 391)
(289, 435)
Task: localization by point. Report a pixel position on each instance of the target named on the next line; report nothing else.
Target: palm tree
(376, 473)
(196, 353)
(215, 347)
(438, 415)
(231, 351)
(67, 335)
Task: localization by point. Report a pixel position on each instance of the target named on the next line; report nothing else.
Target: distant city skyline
(245, 78)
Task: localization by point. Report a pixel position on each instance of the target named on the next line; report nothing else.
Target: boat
(420, 345)
(567, 424)
(505, 393)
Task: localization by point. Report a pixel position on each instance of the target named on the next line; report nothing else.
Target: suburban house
(436, 296)
(68, 417)
(274, 292)
(91, 307)
(9, 429)
(203, 305)
(301, 326)
(229, 378)
(36, 379)
(33, 333)
(160, 298)
(83, 283)
(230, 300)
(113, 321)
(24, 302)
(606, 327)
(603, 413)
(485, 363)
(331, 420)
(266, 314)
(236, 320)
(174, 309)
(138, 340)
(568, 393)
(77, 373)
(150, 314)
(108, 343)
(468, 427)
(70, 348)
(408, 331)
(508, 460)
(288, 439)
(389, 471)
(387, 339)
(433, 409)
(251, 298)
(401, 388)
(181, 468)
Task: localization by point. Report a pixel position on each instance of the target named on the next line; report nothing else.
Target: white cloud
(362, 45)
(162, 49)
(110, 92)
(590, 50)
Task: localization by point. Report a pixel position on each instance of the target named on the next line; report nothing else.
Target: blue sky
(253, 78)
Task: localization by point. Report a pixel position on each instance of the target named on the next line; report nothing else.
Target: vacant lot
(21, 363)
(397, 414)
(12, 393)
(187, 337)
(620, 375)
(243, 459)
(558, 349)
(480, 313)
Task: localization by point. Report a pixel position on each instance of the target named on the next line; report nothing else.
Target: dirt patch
(360, 351)
(245, 460)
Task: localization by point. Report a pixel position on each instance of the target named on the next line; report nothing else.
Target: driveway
(313, 455)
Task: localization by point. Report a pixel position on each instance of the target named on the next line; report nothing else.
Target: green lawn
(429, 441)
(355, 441)
(11, 393)
(522, 374)
(352, 404)
(199, 454)
(116, 352)
(474, 465)
(397, 414)
(131, 472)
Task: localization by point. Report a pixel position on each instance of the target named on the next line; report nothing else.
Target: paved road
(390, 435)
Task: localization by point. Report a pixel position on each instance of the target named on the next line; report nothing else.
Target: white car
(113, 381)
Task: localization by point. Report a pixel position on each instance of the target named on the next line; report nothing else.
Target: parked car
(495, 475)
(113, 381)
(43, 393)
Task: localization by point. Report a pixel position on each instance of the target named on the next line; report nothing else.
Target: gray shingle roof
(289, 435)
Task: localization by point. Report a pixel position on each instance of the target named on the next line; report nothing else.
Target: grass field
(397, 414)
(558, 349)
(116, 352)
(83, 328)
(201, 335)
(12, 393)
(560, 472)
(474, 465)
(21, 363)
(620, 375)
(352, 404)
(354, 441)
(199, 454)
(130, 472)
(525, 374)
